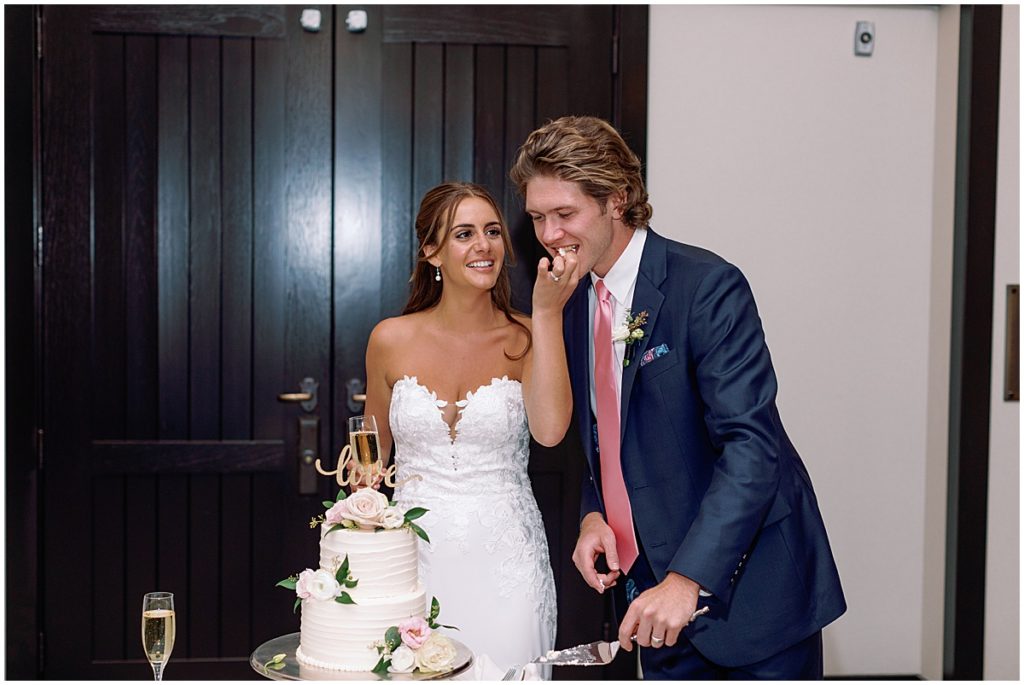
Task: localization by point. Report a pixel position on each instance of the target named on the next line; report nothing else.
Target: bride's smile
(473, 250)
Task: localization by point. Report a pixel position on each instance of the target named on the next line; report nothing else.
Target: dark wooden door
(227, 209)
(187, 284)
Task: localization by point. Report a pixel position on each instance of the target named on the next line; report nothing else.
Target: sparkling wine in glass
(362, 438)
(158, 629)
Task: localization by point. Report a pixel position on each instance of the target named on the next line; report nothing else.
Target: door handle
(306, 398)
(309, 437)
(356, 395)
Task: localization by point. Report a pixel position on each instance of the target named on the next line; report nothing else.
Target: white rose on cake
(366, 507)
(403, 660)
(392, 519)
(323, 585)
(437, 654)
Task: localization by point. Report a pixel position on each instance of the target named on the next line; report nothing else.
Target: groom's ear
(615, 202)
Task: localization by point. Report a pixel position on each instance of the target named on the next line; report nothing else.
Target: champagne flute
(158, 629)
(362, 438)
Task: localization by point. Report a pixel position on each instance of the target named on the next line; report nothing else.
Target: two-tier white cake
(386, 565)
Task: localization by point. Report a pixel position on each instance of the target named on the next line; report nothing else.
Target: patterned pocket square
(653, 353)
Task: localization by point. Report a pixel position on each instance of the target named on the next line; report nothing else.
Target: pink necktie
(613, 487)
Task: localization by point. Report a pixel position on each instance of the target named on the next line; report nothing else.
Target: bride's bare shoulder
(396, 331)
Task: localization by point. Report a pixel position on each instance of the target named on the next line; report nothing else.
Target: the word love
(351, 472)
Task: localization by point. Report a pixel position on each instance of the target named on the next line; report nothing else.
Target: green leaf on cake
(435, 609)
(415, 513)
(298, 601)
(419, 531)
(392, 638)
(288, 583)
(341, 496)
(328, 504)
(333, 528)
(344, 598)
(381, 669)
(351, 583)
(342, 573)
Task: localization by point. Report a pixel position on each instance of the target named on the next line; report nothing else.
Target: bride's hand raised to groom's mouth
(556, 280)
(596, 538)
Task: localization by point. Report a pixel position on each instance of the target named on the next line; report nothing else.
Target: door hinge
(39, 246)
(39, 449)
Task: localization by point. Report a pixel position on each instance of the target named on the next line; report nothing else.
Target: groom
(694, 493)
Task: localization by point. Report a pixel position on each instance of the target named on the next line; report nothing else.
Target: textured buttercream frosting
(342, 636)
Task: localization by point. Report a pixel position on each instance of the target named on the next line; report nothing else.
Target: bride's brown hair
(433, 224)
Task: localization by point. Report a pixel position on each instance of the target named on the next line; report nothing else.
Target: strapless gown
(487, 560)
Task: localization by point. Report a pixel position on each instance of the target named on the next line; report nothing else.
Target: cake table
(290, 669)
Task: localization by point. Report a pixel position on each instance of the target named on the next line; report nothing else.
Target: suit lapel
(646, 298)
(578, 352)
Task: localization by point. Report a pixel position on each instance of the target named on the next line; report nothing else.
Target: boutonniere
(630, 332)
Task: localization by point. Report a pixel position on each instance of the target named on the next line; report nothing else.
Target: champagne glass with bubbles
(158, 629)
(362, 438)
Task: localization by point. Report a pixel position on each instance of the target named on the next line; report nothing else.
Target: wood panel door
(227, 209)
(187, 284)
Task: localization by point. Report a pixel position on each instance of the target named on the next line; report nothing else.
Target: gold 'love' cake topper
(357, 472)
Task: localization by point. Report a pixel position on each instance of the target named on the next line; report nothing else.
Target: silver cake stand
(290, 669)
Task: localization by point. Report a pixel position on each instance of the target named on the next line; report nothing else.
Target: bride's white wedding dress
(487, 560)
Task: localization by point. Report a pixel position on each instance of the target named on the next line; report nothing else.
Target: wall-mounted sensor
(310, 20)
(864, 39)
(355, 22)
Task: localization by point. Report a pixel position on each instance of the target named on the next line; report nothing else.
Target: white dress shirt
(621, 282)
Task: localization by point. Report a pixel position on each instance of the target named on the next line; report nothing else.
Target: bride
(459, 382)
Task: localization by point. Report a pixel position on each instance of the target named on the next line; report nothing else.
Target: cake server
(598, 653)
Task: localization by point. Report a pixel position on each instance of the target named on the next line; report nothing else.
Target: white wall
(1002, 554)
(813, 170)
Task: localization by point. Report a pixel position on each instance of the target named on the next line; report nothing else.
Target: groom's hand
(596, 538)
(658, 615)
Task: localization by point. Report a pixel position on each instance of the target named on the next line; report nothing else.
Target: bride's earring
(437, 273)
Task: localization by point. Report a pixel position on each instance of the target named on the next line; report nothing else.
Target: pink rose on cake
(415, 645)
(414, 631)
(337, 513)
(366, 507)
(437, 654)
(302, 584)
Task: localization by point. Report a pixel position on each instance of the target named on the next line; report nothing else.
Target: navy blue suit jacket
(717, 489)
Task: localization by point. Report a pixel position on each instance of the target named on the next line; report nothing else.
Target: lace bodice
(476, 488)
(490, 451)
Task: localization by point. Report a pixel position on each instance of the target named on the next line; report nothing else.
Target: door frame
(22, 321)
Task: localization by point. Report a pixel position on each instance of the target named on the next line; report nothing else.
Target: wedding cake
(364, 608)
(343, 636)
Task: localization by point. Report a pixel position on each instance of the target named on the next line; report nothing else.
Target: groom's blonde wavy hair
(434, 221)
(588, 151)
